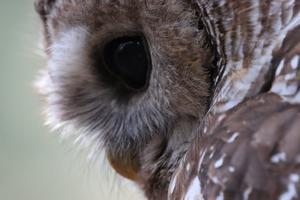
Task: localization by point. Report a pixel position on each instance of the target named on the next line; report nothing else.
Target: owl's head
(122, 72)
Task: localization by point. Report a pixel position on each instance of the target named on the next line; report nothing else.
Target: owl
(190, 99)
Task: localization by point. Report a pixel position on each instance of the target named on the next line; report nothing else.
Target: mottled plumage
(248, 145)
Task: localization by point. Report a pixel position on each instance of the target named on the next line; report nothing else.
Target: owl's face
(122, 72)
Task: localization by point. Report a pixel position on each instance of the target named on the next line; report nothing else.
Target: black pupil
(127, 58)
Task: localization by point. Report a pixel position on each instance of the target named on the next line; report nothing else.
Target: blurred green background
(35, 164)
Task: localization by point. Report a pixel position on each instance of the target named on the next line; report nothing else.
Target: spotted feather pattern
(248, 146)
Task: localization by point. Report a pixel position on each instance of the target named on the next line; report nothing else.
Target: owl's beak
(128, 169)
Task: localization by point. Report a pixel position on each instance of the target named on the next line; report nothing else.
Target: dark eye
(128, 60)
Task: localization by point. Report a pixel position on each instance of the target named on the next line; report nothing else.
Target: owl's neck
(246, 36)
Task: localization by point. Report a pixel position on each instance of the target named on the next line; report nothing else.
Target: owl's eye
(127, 59)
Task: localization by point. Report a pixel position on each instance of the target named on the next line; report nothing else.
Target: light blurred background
(35, 164)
